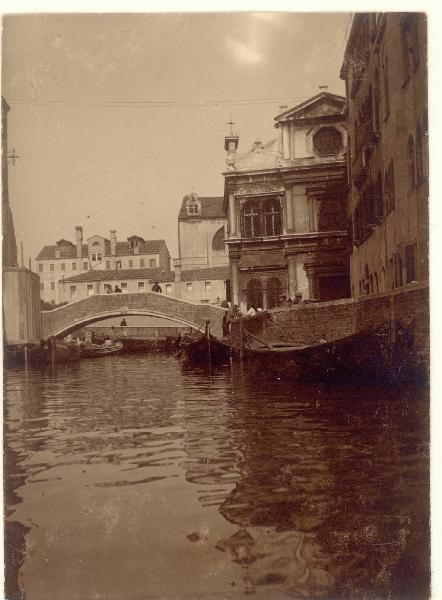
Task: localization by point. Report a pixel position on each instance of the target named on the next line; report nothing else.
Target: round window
(327, 141)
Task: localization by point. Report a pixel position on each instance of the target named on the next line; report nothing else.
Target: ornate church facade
(286, 208)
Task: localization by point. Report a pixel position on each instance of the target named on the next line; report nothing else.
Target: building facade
(286, 207)
(207, 286)
(385, 71)
(64, 259)
(201, 232)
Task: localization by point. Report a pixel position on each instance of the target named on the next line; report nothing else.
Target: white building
(64, 259)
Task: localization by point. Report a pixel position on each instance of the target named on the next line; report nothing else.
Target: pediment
(323, 104)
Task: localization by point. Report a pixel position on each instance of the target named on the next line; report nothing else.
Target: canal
(138, 477)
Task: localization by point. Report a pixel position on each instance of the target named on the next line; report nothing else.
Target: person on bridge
(157, 288)
(123, 323)
(117, 290)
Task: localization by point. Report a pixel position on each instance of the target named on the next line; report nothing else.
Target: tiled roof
(156, 274)
(211, 208)
(120, 274)
(123, 249)
(209, 273)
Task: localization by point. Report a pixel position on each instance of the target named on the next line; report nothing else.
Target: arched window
(272, 217)
(218, 239)
(411, 159)
(261, 216)
(254, 293)
(251, 219)
(376, 284)
(419, 155)
(274, 292)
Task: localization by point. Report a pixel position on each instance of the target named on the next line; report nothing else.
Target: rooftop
(69, 250)
(155, 274)
(212, 207)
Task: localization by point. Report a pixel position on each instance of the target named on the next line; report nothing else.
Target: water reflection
(178, 485)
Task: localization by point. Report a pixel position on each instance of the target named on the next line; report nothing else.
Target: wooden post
(208, 345)
(241, 340)
(26, 356)
(52, 342)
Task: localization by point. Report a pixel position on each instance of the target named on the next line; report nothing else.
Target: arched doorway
(254, 293)
(274, 292)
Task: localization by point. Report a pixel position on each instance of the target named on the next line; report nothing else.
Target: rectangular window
(42, 286)
(141, 286)
(74, 266)
(85, 266)
(90, 289)
(189, 287)
(63, 266)
(73, 289)
(51, 267)
(207, 285)
(152, 262)
(118, 264)
(40, 268)
(52, 285)
(410, 263)
(124, 287)
(168, 288)
(142, 262)
(108, 264)
(131, 264)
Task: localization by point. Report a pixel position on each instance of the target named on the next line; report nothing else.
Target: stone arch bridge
(61, 321)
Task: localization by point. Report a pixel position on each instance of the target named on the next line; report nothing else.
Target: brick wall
(404, 312)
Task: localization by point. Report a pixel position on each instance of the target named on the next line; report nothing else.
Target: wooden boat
(90, 350)
(356, 356)
(197, 346)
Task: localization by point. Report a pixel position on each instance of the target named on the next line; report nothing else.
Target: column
(291, 268)
(288, 210)
(264, 297)
(234, 267)
(243, 301)
(232, 215)
(285, 141)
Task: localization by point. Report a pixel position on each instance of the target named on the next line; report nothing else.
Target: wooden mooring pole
(209, 351)
(241, 340)
(52, 342)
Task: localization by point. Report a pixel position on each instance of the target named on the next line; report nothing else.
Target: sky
(115, 117)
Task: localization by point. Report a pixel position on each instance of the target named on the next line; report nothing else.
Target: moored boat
(90, 350)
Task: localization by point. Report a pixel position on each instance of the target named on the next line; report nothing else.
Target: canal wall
(403, 314)
(140, 333)
(404, 308)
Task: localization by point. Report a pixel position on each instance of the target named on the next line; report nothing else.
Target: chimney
(79, 243)
(177, 267)
(113, 243)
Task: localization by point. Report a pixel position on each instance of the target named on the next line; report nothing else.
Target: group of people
(117, 290)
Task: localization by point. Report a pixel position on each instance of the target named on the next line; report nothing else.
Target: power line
(153, 103)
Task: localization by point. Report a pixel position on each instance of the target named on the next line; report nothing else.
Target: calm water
(136, 477)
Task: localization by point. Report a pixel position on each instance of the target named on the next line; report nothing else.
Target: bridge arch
(65, 319)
